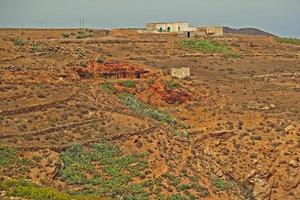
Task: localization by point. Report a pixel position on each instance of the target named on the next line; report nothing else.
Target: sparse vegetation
(8, 156)
(232, 117)
(79, 168)
(295, 41)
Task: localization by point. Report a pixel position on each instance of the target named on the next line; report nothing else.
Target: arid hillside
(95, 114)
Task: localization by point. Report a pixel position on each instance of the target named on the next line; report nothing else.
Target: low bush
(37, 47)
(19, 42)
(100, 59)
(65, 35)
(84, 34)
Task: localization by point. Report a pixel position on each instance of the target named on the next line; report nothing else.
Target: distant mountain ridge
(247, 31)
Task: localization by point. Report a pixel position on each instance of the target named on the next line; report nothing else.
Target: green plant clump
(222, 184)
(138, 107)
(19, 42)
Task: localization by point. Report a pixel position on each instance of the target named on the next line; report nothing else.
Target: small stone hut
(209, 31)
(182, 72)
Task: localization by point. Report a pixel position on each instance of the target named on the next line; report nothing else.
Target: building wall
(163, 27)
(216, 31)
(182, 72)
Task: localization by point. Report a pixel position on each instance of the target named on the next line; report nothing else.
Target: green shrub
(37, 47)
(171, 84)
(100, 59)
(295, 41)
(19, 42)
(84, 34)
(108, 87)
(65, 35)
(83, 64)
(173, 179)
(183, 133)
(222, 184)
(128, 83)
(184, 187)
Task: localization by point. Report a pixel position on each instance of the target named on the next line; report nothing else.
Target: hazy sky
(281, 17)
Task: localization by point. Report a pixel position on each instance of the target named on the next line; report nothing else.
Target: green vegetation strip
(138, 107)
(205, 45)
(208, 46)
(29, 190)
(295, 41)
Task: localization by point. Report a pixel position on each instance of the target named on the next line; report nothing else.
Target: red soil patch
(160, 92)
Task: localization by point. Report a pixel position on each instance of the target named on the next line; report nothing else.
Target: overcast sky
(280, 17)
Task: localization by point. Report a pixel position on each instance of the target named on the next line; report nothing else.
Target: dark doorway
(188, 34)
(169, 29)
